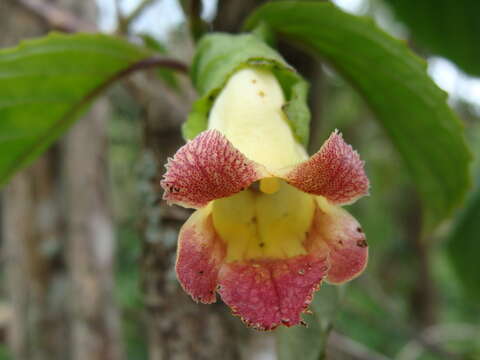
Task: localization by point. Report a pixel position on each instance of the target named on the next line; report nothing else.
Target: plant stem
(193, 13)
(125, 22)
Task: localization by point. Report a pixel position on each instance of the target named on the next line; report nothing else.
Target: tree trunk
(32, 234)
(96, 328)
(37, 243)
(91, 245)
(35, 271)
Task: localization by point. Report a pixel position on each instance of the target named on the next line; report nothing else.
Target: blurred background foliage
(411, 303)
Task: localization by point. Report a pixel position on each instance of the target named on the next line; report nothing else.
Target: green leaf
(219, 55)
(444, 27)
(46, 83)
(463, 246)
(308, 343)
(393, 81)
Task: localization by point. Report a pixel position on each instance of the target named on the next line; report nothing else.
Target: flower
(269, 228)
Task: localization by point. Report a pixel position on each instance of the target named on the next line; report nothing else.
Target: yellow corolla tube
(256, 225)
(270, 219)
(249, 113)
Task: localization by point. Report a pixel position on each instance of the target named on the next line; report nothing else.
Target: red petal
(207, 168)
(199, 257)
(341, 232)
(335, 172)
(269, 293)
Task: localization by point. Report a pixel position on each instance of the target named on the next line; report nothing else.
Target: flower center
(269, 185)
(267, 224)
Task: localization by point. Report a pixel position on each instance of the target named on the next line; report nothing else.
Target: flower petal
(269, 293)
(341, 232)
(199, 256)
(335, 172)
(207, 168)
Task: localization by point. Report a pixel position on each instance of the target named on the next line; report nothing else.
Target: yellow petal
(284, 219)
(258, 225)
(234, 219)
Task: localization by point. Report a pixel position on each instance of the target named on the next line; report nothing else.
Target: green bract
(220, 55)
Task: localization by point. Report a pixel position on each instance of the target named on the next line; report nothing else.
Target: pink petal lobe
(341, 232)
(335, 172)
(269, 293)
(207, 168)
(199, 257)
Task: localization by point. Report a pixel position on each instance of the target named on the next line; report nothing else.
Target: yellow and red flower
(269, 227)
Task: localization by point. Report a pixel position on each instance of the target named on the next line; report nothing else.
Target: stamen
(269, 185)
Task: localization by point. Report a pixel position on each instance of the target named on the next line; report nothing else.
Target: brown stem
(357, 351)
(125, 22)
(423, 297)
(193, 11)
(232, 13)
